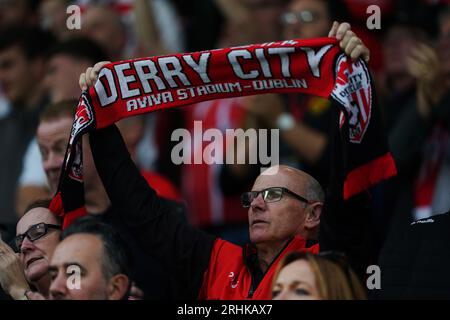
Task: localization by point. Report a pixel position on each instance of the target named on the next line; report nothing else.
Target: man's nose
(26, 245)
(258, 203)
(58, 287)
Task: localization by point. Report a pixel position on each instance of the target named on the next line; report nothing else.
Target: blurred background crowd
(41, 60)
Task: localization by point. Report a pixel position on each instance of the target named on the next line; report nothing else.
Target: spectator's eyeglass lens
(305, 16)
(269, 195)
(272, 194)
(34, 233)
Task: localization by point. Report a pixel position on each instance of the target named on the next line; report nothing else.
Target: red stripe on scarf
(57, 208)
(369, 174)
(71, 216)
(56, 205)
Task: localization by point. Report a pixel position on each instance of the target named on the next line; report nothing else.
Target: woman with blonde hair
(326, 276)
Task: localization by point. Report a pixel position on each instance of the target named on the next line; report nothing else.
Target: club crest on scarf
(76, 168)
(83, 120)
(354, 91)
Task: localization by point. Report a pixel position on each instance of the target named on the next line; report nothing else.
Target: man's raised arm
(162, 233)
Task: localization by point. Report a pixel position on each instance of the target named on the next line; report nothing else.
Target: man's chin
(258, 237)
(61, 298)
(259, 230)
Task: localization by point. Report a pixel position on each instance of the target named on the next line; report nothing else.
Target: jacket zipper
(252, 285)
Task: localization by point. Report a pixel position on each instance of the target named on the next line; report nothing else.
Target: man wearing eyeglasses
(278, 212)
(307, 19)
(46, 261)
(37, 236)
(52, 137)
(284, 209)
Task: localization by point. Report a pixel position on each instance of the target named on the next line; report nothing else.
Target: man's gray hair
(314, 191)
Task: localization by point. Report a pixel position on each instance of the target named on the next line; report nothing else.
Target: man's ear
(313, 216)
(118, 287)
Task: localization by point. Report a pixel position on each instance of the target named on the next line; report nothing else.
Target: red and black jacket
(233, 272)
(202, 266)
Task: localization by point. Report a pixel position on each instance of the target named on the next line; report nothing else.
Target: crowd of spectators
(41, 59)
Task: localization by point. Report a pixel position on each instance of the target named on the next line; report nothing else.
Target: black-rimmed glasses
(272, 194)
(33, 233)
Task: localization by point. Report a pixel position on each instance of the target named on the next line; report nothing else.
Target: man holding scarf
(284, 204)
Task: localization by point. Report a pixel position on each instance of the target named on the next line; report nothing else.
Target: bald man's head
(299, 181)
(277, 221)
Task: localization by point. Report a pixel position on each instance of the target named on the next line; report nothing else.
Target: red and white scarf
(317, 67)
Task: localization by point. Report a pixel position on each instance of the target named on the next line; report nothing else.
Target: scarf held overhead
(317, 67)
